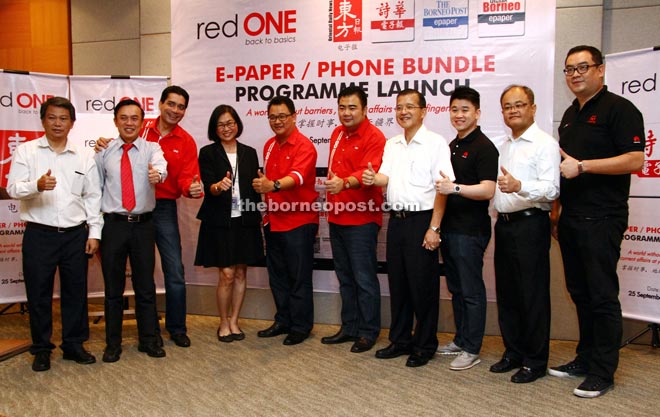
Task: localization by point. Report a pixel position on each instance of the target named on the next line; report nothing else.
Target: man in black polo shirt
(466, 226)
(601, 136)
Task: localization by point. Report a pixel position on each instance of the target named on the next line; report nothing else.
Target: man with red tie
(129, 168)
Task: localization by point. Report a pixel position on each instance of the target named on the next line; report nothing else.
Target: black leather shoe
(526, 375)
(159, 340)
(392, 351)
(180, 339)
(152, 349)
(41, 362)
(79, 356)
(362, 345)
(238, 336)
(337, 338)
(294, 338)
(415, 360)
(275, 329)
(111, 354)
(504, 365)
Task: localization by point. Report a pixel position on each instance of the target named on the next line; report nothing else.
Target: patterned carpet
(261, 377)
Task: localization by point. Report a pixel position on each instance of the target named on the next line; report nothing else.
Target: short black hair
(596, 55)
(213, 121)
(409, 91)
(58, 102)
(174, 89)
(353, 90)
(466, 93)
(277, 100)
(128, 102)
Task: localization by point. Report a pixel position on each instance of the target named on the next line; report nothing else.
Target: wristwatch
(435, 229)
(347, 184)
(580, 168)
(457, 189)
(276, 186)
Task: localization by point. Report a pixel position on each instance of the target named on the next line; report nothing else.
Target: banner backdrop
(94, 98)
(634, 75)
(248, 51)
(21, 95)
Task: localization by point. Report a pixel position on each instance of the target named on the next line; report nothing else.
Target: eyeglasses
(581, 69)
(228, 125)
(515, 106)
(279, 117)
(407, 107)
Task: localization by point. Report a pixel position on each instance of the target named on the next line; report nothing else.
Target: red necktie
(127, 190)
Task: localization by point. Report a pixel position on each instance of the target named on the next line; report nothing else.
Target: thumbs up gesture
(195, 189)
(334, 184)
(369, 175)
(154, 175)
(569, 165)
(262, 184)
(444, 185)
(507, 182)
(46, 182)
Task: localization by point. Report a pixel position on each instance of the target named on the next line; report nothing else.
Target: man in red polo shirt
(291, 222)
(355, 217)
(180, 153)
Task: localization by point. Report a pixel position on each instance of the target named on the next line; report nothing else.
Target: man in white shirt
(412, 162)
(58, 186)
(526, 188)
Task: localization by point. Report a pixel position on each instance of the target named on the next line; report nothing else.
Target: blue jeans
(354, 253)
(168, 241)
(463, 256)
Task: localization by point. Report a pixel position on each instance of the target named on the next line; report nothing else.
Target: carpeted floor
(261, 377)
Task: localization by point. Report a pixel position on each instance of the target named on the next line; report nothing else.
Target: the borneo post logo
(345, 20)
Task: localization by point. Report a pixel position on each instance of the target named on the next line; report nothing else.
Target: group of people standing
(439, 194)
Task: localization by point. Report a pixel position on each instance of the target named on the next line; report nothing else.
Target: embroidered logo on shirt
(592, 119)
(465, 155)
(637, 140)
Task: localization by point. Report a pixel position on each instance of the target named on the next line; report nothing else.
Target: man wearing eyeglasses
(180, 152)
(601, 136)
(466, 227)
(411, 162)
(291, 222)
(527, 186)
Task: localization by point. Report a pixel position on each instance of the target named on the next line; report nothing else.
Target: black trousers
(414, 280)
(44, 251)
(522, 277)
(590, 249)
(290, 263)
(122, 240)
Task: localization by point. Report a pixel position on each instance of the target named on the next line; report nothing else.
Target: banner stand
(654, 328)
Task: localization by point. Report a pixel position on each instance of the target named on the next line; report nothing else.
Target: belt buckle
(133, 218)
(401, 214)
(61, 229)
(505, 217)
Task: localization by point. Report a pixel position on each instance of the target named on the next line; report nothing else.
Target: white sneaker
(449, 349)
(464, 361)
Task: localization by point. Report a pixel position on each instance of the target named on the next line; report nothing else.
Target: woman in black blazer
(230, 233)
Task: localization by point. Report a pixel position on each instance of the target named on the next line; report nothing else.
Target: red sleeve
(190, 166)
(373, 152)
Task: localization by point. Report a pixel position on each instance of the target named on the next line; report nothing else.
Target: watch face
(457, 188)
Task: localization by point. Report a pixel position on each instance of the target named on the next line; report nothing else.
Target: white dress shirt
(412, 169)
(75, 199)
(534, 159)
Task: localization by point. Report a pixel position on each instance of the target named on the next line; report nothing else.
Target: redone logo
(24, 100)
(254, 24)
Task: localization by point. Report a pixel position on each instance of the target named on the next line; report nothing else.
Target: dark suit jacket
(213, 166)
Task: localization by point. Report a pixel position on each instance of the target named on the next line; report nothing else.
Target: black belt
(404, 214)
(517, 215)
(130, 218)
(54, 228)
